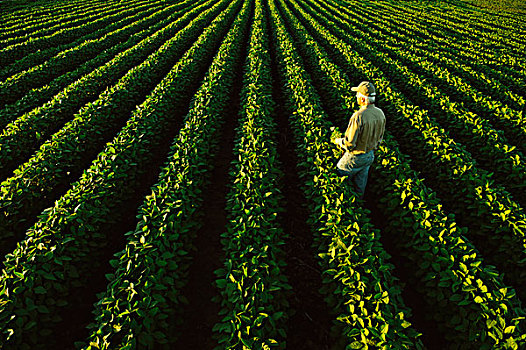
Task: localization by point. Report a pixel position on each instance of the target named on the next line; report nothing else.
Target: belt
(361, 154)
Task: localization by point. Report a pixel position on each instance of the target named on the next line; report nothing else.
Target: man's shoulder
(359, 112)
(355, 115)
(373, 111)
(376, 109)
(368, 113)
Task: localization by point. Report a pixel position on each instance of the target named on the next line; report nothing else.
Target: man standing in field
(363, 135)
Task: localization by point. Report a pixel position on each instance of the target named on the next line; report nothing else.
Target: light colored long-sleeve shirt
(365, 130)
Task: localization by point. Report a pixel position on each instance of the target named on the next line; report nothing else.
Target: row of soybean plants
(16, 86)
(471, 68)
(70, 20)
(418, 43)
(51, 22)
(357, 276)
(496, 222)
(469, 63)
(27, 25)
(498, 61)
(497, 156)
(475, 306)
(488, 34)
(61, 158)
(39, 56)
(424, 22)
(38, 87)
(140, 308)
(433, 96)
(489, 40)
(490, 21)
(66, 94)
(27, 132)
(519, 231)
(495, 20)
(11, 53)
(42, 275)
(252, 286)
(504, 111)
(34, 13)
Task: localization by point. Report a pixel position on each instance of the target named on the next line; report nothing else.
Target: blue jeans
(356, 167)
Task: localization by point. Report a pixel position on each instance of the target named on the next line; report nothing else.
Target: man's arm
(351, 134)
(340, 141)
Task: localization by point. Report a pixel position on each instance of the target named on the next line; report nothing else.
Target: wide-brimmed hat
(365, 88)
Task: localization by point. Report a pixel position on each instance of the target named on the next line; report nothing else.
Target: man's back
(365, 130)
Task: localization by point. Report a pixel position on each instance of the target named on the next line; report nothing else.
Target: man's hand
(335, 134)
(340, 141)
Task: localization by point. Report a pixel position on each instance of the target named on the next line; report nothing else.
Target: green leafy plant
(32, 87)
(144, 291)
(28, 188)
(11, 53)
(64, 243)
(252, 286)
(359, 286)
(455, 176)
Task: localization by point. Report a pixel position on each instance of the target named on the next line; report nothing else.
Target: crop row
(28, 25)
(21, 137)
(449, 269)
(33, 98)
(488, 50)
(496, 60)
(359, 286)
(488, 146)
(67, 21)
(460, 184)
(15, 52)
(391, 32)
(22, 17)
(504, 115)
(28, 129)
(426, 64)
(40, 56)
(251, 284)
(144, 291)
(469, 299)
(495, 21)
(17, 85)
(486, 41)
(163, 50)
(27, 191)
(468, 62)
(63, 246)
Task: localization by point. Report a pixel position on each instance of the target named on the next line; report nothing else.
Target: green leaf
(221, 283)
(40, 290)
(356, 345)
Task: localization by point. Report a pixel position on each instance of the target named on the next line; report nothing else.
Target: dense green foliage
(251, 283)
(115, 107)
(150, 272)
(437, 241)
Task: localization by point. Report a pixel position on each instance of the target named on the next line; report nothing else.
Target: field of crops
(168, 178)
